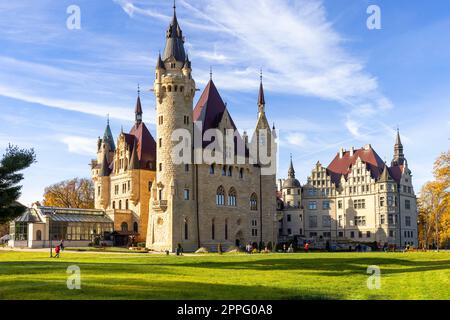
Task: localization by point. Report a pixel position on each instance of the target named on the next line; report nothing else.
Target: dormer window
(173, 65)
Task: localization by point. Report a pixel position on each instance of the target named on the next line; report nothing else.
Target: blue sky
(330, 81)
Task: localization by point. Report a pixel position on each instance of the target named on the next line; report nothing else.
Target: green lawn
(25, 275)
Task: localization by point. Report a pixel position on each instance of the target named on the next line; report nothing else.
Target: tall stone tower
(264, 142)
(100, 168)
(172, 203)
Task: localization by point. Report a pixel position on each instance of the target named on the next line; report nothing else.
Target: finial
(121, 129)
(210, 72)
(261, 75)
(139, 90)
(107, 119)
(174, 5)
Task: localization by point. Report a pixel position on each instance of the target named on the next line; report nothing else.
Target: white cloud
(80, 145)
(298, 48)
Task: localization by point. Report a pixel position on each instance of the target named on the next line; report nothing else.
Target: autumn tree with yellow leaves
(434, 206)
(76, 193)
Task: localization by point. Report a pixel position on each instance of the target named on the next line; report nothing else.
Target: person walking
(57, 250)
(61, 245)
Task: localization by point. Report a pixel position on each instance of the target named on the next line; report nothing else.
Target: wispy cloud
(300, 51)
(80, 145)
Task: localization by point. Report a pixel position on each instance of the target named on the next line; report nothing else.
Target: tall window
(124, 227)
(232, 197)
(326, 221)
(241, 173)
(220, 196)
(126, 204)
(212, 169)
(253, 202)
(230, 171)
(312, 205)
(213, 229)
(313, 221)
(224, 170)
(135, 227)
(226, 229)
(407, 204)
(113, 204)
(120, 204)
(186, 229)
(186, 194)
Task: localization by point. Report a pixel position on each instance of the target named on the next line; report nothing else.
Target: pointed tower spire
(104, 171)
(399, 157)
(160, 63)
(291, 171)
(174, 40)
(108, 137)
(261, 99)
(138, 110)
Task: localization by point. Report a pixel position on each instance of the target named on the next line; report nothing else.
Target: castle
(356, 198)
(164, 196)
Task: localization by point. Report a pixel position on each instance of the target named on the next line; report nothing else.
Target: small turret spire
(291, 171)
(261, 99)
(210, 73)
(138, 110)
(399, 157)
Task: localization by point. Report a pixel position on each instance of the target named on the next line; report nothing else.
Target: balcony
(159, 205)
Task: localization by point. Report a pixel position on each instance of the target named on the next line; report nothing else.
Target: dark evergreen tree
(13, 161)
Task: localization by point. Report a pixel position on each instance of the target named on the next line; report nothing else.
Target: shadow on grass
(150, 290)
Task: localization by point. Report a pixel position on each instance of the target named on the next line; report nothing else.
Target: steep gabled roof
(146, 146)
(210, 108)
(342, 165)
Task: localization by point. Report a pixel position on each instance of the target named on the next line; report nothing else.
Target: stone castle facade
(357, 198)
(164, 202)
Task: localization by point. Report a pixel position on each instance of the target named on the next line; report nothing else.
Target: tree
(13, 161)
(434, 206)
(76, 193)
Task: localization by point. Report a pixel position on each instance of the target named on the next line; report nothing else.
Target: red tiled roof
(342, 166)
(146, 146)
(210, 109)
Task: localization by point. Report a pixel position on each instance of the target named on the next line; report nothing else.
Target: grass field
(25, 275)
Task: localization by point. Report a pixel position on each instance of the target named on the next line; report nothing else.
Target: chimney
(352, 151)
(341, 153)
(367, 147)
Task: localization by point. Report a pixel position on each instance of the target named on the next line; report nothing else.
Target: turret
(399, 157)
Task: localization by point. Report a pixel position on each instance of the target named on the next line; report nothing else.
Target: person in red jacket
(306, 247)
(57, 250)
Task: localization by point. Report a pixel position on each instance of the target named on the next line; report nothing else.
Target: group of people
(58, 249)
(290, 249)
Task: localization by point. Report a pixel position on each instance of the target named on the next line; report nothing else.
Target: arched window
(241, 173)
(38, 235)
(114, 204)
(232, 197)
(254, 202)
(124, 227)
(164, 88)
(213, 229)
(230, 171)
(224, 170)
(135, 227)
(212, 169)
(226, 229)
(120, 204)
(181, 89)
(186, 229)
(175, 88)
(169, 88)
(220, 196)
(126, 204)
